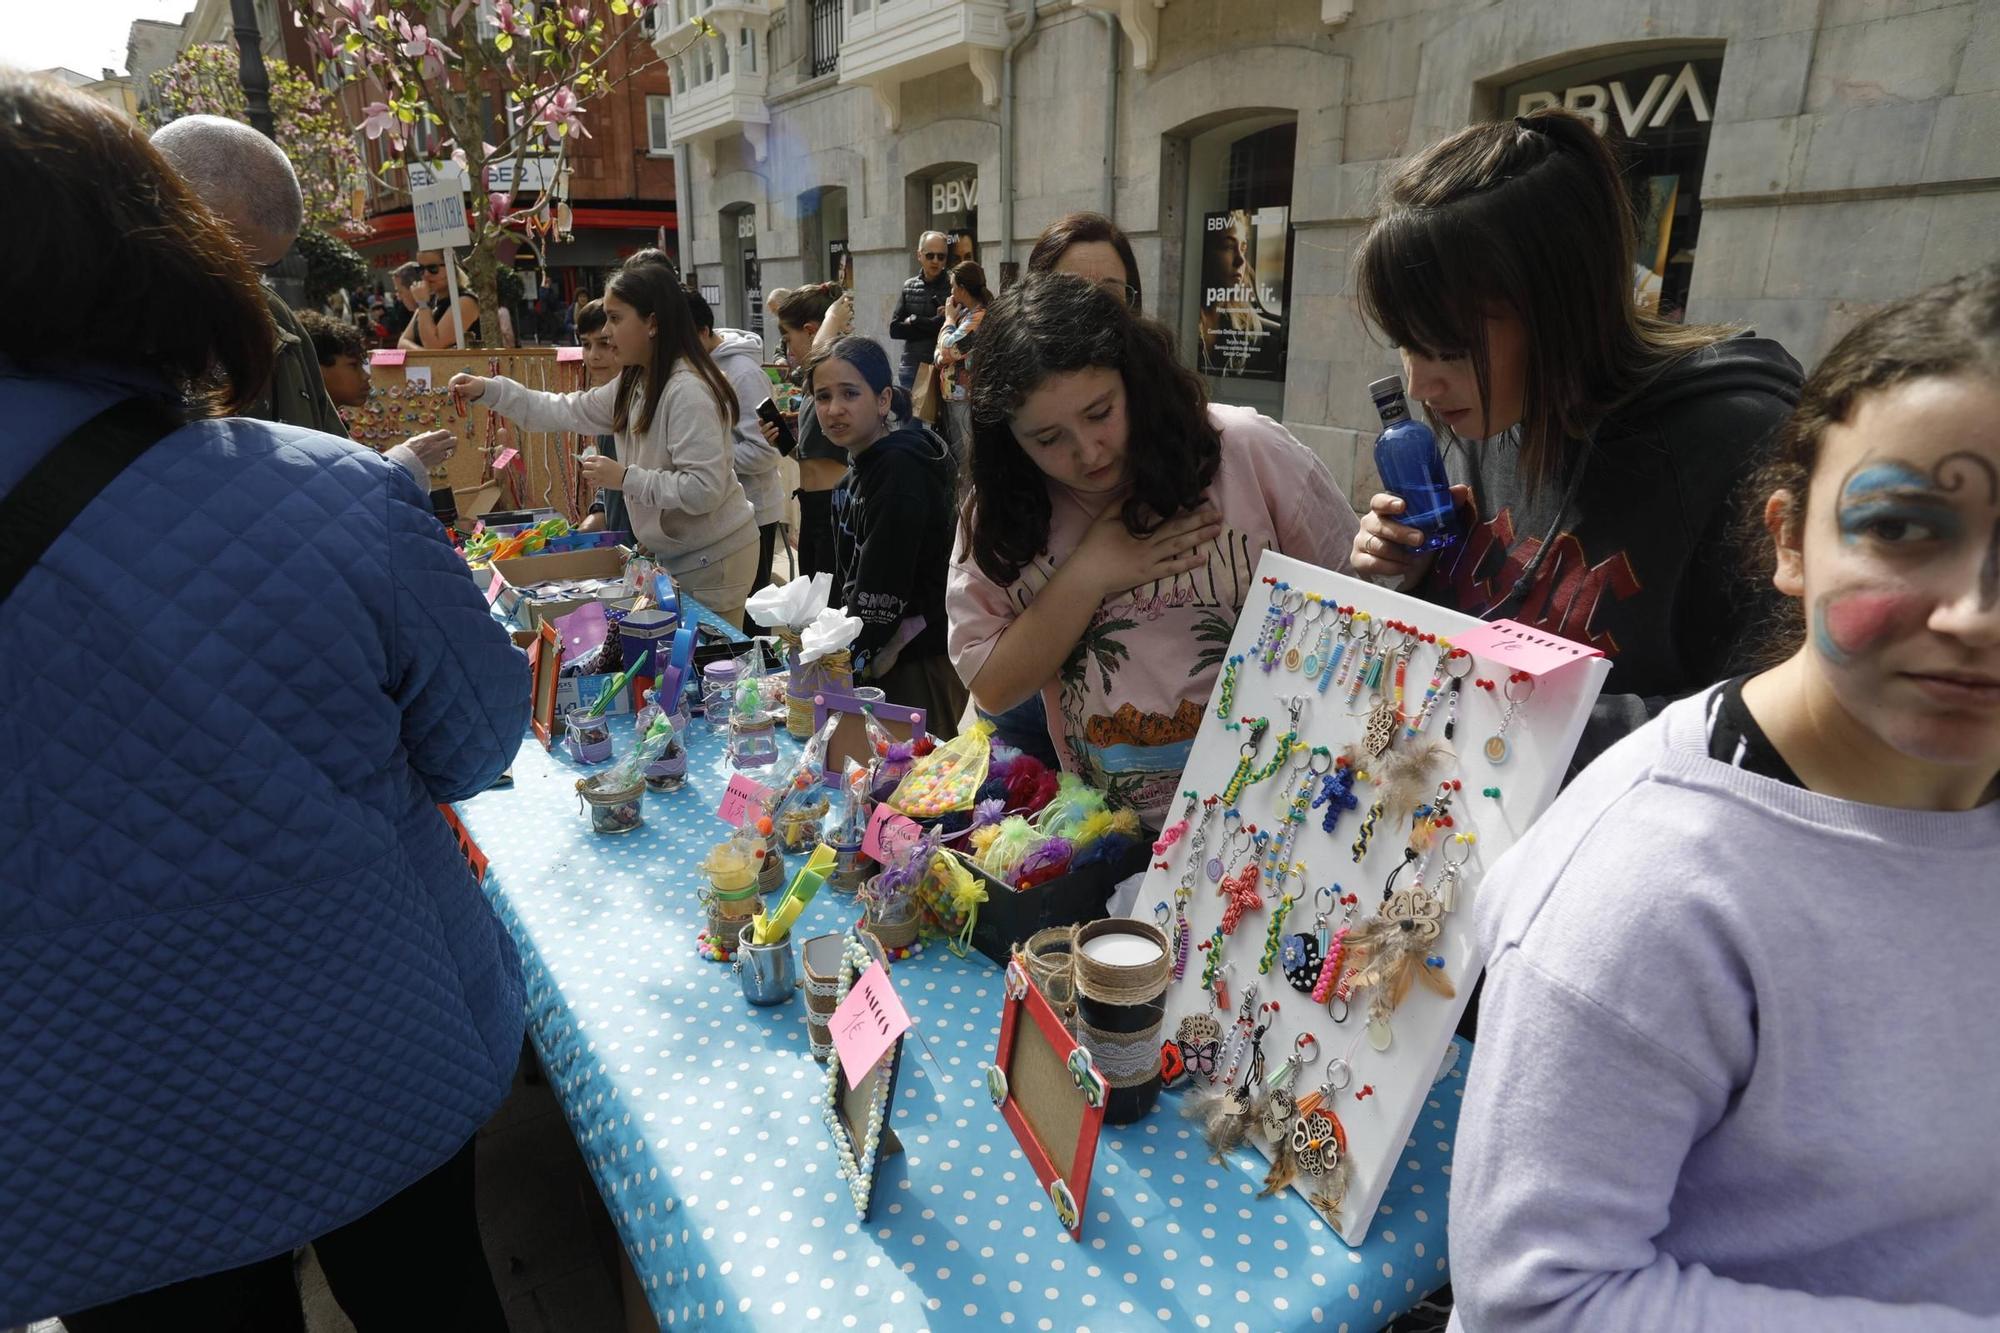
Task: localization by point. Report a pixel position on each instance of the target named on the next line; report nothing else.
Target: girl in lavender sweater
(1739, 1067)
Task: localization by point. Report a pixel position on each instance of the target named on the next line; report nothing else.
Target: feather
(1284, 1168)
(1224, 1115)
(1332, 1192)
(1406, 778)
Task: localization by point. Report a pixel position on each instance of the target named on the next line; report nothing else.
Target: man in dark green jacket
(248, 182)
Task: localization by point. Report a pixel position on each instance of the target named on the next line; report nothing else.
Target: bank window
(658, 139)
(1655, 115)
(1240, 244)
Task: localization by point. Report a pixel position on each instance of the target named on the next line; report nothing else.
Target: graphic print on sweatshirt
(1566, 596)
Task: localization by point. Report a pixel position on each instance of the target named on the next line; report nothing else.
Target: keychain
(1278, 1107)
(1496, 745)
(1315, 608)
(1301, 955)
(1448, 882)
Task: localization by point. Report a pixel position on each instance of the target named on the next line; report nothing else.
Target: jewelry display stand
(1370, 1073)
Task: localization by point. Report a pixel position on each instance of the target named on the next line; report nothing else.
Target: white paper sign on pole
(440, 215)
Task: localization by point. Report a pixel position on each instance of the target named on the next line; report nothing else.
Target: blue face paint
(1822, 640)
(1931, 519)
(1883, 477)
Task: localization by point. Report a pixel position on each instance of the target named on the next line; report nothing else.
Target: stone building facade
(1800, 161)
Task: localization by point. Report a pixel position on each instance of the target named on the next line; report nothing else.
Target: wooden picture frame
(850, 738)
(858, 1118)
(545, 659)
(1050, 1094)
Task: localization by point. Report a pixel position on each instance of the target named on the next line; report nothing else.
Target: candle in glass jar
(1121, 950)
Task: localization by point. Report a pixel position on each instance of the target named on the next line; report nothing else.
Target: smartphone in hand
(768, 411)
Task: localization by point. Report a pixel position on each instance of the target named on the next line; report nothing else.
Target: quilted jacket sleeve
(459, 679)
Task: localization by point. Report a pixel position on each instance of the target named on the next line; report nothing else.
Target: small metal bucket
(768, 971)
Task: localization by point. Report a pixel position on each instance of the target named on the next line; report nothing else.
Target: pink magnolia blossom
(496, 205)
(433, 51)
(378, 119)
(562, 110)
(357, 12)
(506, 20)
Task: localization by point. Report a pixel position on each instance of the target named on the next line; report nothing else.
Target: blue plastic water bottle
(1406, 456)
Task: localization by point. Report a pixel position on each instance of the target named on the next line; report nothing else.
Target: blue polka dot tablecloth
(699, 1118)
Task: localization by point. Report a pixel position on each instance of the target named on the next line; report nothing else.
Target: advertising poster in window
(1654, 200)
(840, 264)
(753, 292)
(1243, 290)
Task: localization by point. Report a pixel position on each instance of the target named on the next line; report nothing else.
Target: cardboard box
(528, 571)
(1009, 916)
(576, 691)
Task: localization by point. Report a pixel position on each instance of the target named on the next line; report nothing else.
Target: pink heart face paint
(1853, 624)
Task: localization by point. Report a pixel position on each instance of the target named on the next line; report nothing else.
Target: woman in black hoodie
(892, 530)
(1599, 449)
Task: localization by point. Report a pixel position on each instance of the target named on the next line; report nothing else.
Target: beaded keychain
(1296, 809)
(1329, 989)
(1315, 608)
(1387, 712)
(1324, 667)
(1453, 665)
(1237, 1045)
(1272, 632)
(1358, 665)
(1496, 744)
(1214, 867)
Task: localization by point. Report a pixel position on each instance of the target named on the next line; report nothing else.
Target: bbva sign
(1665, 95)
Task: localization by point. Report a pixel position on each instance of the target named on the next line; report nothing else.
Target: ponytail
(804, 305)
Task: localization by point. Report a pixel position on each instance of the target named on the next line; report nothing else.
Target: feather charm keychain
(1391, 952)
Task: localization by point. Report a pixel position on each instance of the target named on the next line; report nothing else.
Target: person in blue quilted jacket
(250, 996)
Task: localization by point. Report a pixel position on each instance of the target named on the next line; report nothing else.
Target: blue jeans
(1025, 726)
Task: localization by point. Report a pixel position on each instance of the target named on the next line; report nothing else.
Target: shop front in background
(947, 199)
(823, 244)
(1655, 110)
(1235, 317)
(742, 281)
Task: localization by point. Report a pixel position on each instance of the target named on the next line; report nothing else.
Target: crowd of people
(1730, 1070)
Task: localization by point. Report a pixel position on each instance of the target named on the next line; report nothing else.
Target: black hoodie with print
(892, 533)
(1637, 555)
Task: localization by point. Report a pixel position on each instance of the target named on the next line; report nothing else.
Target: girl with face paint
(1736, 1063)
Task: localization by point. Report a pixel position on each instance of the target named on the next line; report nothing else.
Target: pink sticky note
(867, 1023)
(582, 631)
(568, 354)
(387, 356)
(504, 460)
(739, 798)
(888, 834)
(494, 585)
(1512, 646)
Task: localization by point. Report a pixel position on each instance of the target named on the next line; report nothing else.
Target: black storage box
(1008, 917)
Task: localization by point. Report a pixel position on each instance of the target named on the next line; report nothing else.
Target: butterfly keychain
(1199, 1036)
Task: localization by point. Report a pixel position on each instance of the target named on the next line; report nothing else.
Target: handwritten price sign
(867, 1023)
(1513, 646)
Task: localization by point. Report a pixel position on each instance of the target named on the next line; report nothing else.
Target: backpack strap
(71, 475)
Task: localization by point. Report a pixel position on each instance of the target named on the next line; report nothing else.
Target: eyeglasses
(434, 268)
(1124, 291)
(933, 254)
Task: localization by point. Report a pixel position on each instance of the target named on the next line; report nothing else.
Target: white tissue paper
(831, 631)
(794, 605)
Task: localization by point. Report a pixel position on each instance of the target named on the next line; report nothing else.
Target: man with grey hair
(248, 182)
(919, 310)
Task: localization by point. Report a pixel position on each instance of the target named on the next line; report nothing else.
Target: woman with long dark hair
(1111, 531)
(1597, 447)
(892, 527)
(672, 411)
(252, 996)
(822, 463)
(1094, 248)
(1737, 1065)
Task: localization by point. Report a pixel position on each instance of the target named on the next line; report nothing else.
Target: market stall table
(699, 1118)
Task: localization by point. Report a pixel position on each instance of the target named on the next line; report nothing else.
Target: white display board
(1539, 741)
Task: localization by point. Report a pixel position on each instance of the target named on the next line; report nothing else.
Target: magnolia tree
(494, 83)
(206, 81)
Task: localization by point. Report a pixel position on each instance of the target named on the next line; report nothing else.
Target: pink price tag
(1512, 646)
(867, 1023)
(568, 354)
(888, 835)
(504, 460)
(739, 799)
(494, 585)
(390, 356)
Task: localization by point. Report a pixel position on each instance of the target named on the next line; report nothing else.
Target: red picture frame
(1027, 1021)
(545, 658)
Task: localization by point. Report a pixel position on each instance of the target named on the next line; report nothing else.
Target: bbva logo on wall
(1663, 96)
